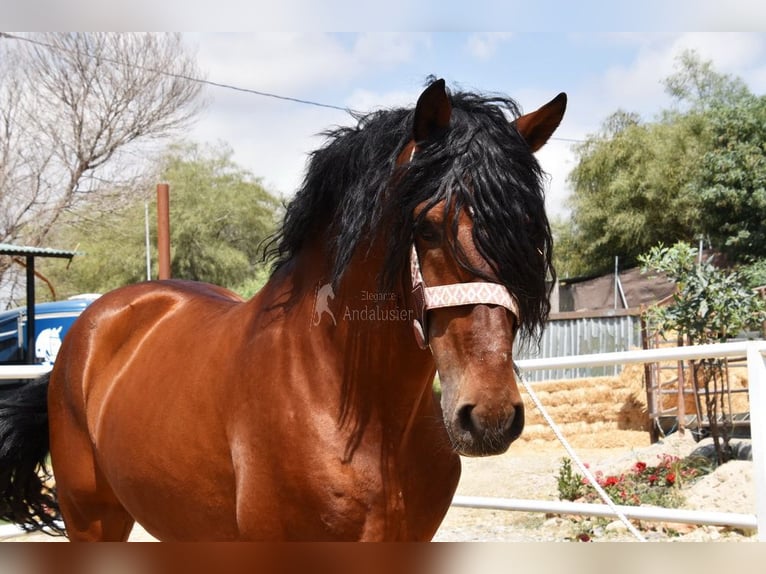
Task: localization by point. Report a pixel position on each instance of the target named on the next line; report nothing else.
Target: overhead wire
(179, 76)
(211, 83)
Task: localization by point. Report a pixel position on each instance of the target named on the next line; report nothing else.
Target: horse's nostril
(472, 419)
(465, 418)
(481, 430)
(516, 422)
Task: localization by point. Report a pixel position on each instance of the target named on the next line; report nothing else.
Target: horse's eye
(429, 232)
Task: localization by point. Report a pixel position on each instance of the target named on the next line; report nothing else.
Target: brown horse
(307, 412)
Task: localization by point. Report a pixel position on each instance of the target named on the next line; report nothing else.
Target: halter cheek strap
(455, 295)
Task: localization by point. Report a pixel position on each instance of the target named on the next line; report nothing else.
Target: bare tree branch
(75, 111)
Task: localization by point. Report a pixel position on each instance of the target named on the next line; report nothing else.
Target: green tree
(631, 190)
(569, 261)
(731, 180)
(697, 171)
(754, 272)
(219, 214)
(710, 305)
(220, 217)
(697, 86)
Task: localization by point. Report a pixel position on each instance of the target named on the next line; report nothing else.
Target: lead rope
(584, 469)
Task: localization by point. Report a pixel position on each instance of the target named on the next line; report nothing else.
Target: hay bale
(613, 410)
(592, 400)
(596, 410)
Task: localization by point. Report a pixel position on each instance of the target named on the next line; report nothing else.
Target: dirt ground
(529, 471)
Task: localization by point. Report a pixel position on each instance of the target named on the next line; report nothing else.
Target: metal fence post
(756, 374)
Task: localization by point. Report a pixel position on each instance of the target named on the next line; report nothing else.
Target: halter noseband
(454, 295)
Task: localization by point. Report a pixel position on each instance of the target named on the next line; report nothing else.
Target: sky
(601, 72)
(276, 47)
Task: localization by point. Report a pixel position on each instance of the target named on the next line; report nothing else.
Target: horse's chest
(391, 502)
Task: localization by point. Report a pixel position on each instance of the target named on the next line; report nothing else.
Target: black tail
(26, 496)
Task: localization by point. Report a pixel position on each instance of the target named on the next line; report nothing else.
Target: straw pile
(599, 412)
(605, 412)
(735, 402)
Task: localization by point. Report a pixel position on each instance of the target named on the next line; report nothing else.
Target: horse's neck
(367, 329)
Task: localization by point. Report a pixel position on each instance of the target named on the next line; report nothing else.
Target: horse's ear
(536, 127)
(432, 112)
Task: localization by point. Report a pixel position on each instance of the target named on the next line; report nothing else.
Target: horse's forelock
(483, 165)
(352, 194)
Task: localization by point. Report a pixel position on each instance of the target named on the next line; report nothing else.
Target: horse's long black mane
(353, 192)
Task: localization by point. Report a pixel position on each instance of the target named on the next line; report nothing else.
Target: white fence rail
(15, 372)
(756, 365)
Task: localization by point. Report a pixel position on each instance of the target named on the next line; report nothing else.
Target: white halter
(455, 295)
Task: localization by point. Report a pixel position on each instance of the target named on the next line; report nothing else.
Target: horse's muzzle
(477, 430)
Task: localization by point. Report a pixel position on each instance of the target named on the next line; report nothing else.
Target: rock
(616, 527)
(742, 450)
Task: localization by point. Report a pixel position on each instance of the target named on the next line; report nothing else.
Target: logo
(366, 306)
(322, 300)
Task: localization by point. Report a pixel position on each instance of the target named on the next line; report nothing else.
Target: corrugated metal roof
(8, 249)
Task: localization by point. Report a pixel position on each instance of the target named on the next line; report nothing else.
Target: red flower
(640, 467)
(583, 537)
(652, 478)
(670, 479)
(611, 481)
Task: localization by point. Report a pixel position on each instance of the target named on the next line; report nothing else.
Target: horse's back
(145, 342)
(140, 326)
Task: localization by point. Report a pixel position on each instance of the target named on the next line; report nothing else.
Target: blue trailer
(52, 321)
(21, 346)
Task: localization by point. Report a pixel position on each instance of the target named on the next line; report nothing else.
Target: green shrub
(658, 485)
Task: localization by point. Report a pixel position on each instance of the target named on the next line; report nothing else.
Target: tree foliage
(75, 111)
(731, 181)
(630, 189)
(697, 86)
(219, 215)
(695, 172)
(711, 304)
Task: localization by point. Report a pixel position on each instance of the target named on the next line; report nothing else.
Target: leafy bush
(710, 305)
(657, 485)
(571, 485)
